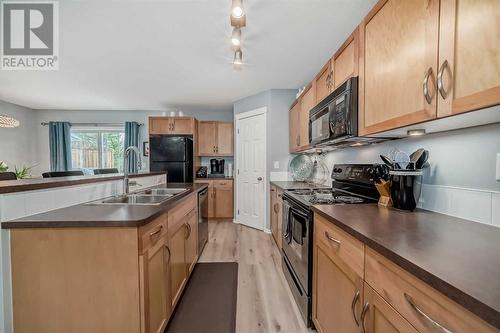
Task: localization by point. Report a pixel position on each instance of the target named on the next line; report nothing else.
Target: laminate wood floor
(265, 302)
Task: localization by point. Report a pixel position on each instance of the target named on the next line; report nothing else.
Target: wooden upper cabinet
(345, 60)
(206, 138)
(215, 138)
(182, 125)
(398, 61)
(159, 125)
(293, 123)
(380, 317)
(323, 83)
(171, 125)
(225, 138)
(469, 55)
(306, 104)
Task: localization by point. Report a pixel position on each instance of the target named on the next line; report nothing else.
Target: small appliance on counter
(217, 167)
(229, 172)
(202, 172)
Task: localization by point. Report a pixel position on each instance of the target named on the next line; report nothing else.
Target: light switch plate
(277, 165)
(498, 166)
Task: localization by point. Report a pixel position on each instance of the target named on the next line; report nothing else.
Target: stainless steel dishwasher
(202, 219)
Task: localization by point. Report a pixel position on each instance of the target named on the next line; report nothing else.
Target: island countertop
(93, 215)
(457, 257)
(20, 185)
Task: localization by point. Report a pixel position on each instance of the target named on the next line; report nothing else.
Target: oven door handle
(298, 212)
(289, 235)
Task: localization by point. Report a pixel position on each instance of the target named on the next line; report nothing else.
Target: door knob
(259, 179)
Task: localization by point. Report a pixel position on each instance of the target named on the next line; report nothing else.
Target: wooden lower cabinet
(337, 293)
(178, 272)
(380, 317)
(276, 209)
(155, 286)
(220, 198)
(191, 241)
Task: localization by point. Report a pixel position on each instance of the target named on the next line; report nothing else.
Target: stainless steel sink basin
(163, 191)
(134, 200)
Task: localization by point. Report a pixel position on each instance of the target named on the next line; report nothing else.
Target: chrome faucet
(125, 166)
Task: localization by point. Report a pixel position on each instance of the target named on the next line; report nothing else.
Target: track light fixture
(238, 58)
(236, 37)
(237, 9)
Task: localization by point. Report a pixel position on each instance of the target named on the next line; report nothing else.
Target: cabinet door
(178, 272)
(345, 61)
(380, 317)
(224, 138)
(468, 55)
(293, 119)
(335, 303)
(279, 218)
(211, 202)
(273, 215)
(159, 125)
(306, 104)
(192, 240)
(398, 64)
(206, 138)
(155, 286)
(322, 83)
(224, 207)
(182, 125)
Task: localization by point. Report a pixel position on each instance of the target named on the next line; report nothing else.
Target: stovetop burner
(325, 197)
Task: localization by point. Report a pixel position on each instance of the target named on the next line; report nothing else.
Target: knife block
(384, 188)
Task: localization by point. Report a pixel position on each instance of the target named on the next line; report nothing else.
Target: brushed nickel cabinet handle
(353, 307)
(366, 307)
(186, 234)
(442, 90)
(169, 253)
(425, 85)
(436, 325)
(327, 235)
(151, 234)
(276, 208)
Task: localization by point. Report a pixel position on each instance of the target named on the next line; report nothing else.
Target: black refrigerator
(173, 154)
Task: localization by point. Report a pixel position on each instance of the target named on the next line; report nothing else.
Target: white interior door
(251, 168)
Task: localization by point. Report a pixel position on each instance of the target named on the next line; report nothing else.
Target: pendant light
(238, 58)
(236, 37)
(8, 121)
(237, 9)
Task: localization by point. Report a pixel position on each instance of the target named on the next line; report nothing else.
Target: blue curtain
(60, 146)
(132, 139)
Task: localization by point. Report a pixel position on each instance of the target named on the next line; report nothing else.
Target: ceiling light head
(236, 37)
(8, 121)
(237, 9)
(238, 58)
(416, 132)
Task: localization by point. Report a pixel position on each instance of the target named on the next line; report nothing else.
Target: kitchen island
(98, 267)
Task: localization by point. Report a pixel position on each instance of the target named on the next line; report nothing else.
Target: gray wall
(462, 158)
(107, 116)
(18, 145)
(277, 102)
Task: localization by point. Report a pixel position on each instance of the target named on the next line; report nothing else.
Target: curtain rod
(93, 124)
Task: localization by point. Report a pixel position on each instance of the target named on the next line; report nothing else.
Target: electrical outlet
(498, 166)
(277, 164)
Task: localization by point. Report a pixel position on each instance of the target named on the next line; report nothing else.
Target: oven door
(296, 240)
(319, 126)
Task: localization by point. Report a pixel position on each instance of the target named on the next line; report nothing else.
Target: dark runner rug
(208, 304)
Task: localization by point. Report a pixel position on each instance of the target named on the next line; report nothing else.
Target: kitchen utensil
(301, 167)
(392, 153)
(406, 187)
(320, 173)
(387, 161)
(401, 160)
(416, 155)
(422, 160)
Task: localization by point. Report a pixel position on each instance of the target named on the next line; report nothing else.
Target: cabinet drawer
(152, 232)
(339, 244)
(400, 289)
(223, 183)
(177, 214)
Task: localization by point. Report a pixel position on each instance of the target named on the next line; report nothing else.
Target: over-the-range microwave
(334, 121)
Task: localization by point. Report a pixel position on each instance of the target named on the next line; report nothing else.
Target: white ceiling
(156, 54)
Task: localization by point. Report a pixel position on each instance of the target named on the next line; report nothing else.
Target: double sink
(153, 196)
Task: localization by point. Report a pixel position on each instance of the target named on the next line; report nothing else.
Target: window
(97, 148)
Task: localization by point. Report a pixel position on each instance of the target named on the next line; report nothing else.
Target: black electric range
(351, 184)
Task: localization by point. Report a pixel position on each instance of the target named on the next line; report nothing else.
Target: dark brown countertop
(214, 178)
(457, 257)
(88, 215)
(20, 185)
(293, 185)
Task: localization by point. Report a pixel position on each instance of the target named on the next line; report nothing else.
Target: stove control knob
(337, 170)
